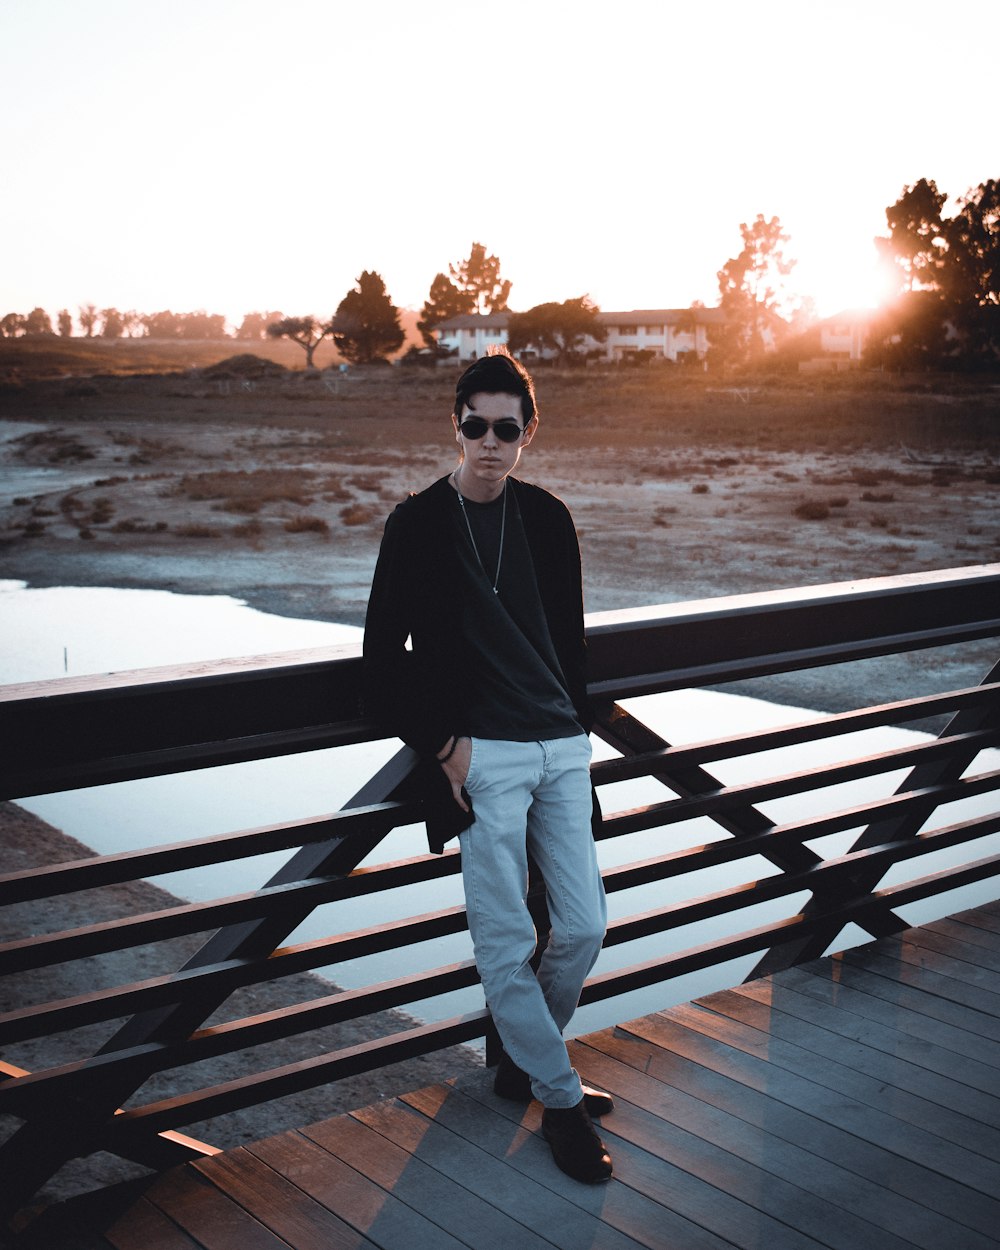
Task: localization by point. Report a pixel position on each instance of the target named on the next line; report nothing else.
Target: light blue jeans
(533, 796)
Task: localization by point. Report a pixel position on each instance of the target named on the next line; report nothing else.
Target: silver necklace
(472, 537)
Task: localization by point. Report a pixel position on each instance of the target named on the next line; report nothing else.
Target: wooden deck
(853, 1102)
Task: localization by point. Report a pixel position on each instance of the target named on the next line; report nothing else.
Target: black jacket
(417, 694)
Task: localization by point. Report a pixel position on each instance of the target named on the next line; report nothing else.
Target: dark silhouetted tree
(479, 276)
(916, 244)
(556, 328)
(306, 331)
(64, 322)
(87, 317)
(949, 314)
(970, 277)
(112, 325)
(751, 292)
(12, 326)
(38, 321)
(444, 301)
(366, 324)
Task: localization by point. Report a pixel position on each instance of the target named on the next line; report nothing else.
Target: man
(481, 574)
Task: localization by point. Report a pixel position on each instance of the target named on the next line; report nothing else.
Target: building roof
(638, 316)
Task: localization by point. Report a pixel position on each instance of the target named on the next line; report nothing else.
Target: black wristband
(443, 759)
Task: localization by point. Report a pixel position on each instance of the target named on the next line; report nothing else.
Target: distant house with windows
(837, 342)
(675, 334)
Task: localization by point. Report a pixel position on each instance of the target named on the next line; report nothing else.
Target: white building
(668, 333)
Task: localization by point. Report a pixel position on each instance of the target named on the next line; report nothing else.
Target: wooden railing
(73, 733)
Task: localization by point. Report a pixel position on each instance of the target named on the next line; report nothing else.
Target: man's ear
(529, 431)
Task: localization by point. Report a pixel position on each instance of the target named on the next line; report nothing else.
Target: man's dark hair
(497, 373)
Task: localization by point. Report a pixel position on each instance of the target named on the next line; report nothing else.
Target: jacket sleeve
(572, 645)
(399, 690)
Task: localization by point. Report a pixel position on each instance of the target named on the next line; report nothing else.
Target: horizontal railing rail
(81, 732)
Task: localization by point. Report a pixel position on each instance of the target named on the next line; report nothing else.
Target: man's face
(489, 459)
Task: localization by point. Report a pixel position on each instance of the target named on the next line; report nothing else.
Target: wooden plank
(962, 942)
(846, 1188)
(859, 1028)
(210, 1217)
(281, 1205)
(571, 1214)
(940, 1101)
(787, 1184)
(882, 983)
(856, 993)
(944, 956)
(895, 1123)
(929, 981)
(680, 1175)
(985, 917)
(145, 1227)
(718, 1078)
(375, 1212)
(969, 935)
(408, 1174)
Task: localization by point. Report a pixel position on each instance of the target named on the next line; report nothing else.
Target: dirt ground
(273, 486)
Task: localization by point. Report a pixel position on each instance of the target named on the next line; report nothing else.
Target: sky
(240, 155)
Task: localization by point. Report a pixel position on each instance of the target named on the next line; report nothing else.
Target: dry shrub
(879, 521)
(196, 531)
(359, 514)
(371, 482)
(700, 488)
(243, 507)
(259, 485)
(132, 525)
(307, 525)
(33, 529)
(878, 496)
(838, 501)
(249, 529)
(812, 510)
(85, 533)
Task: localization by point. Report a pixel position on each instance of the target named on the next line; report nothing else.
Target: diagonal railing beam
(881, 922)
(33, 1152)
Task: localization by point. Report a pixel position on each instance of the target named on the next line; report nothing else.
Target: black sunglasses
(475, 428)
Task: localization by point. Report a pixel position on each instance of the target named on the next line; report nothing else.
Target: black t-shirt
(516, 687)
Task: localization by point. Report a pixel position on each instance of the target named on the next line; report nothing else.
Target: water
(48, 633)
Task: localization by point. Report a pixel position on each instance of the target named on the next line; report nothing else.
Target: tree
(915, 243)
(444, 301)
(949, 313)
(306, 331)
(970, 276)
(132, 321)
(254, 324)
(112, 325)
(87, 316)
(751, 291)
(366, 324)
(12, 326)
(65, 323)
(559, 328)
(479, 276)
(38, 321)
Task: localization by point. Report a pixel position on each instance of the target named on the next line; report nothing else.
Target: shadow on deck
(850, 1102)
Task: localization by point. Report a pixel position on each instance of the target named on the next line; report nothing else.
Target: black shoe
(576, 1148)
(510, 1082)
